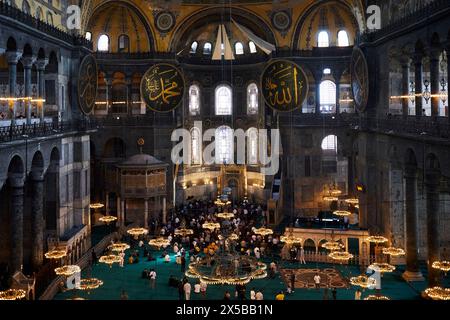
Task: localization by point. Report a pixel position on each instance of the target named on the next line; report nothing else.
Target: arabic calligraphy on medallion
(360, 79)
(284, 85)
(162, 87)
(87, 84)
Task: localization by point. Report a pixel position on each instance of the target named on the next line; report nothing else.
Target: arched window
(49, 18)
(224, 100)
(194, 46)
(343, 39)
(327, 71)
(224, 145)
(26, 7)
(194, 100)
(103, 43)
(39, 13)
(207, 48)
(239, 48)
(88, 36)
(252, 146)
(252, 98)
(124, 43)
(252, 47)
(327, 96)
(329, 143)
(196, 146)
(323, 40)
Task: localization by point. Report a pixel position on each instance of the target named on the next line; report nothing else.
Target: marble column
(129, 83)
(432, 181)
(164, 210)
(27, 62)
(405, 88)
(37, 219)
(122, 210)
(418, 82)
(448, 83)
(41, 64)
(317, 97)
(119, 212)
(107, 203)
(145, 213)
(16, 220)
(338, 97)
(412, 272)
(12, 58)
(434, 81)
(108, 81)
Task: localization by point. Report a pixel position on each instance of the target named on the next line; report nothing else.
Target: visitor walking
(292, 282)
(302, 256)
(317, 281)
(253, 294)
(203, 287)
(358, 294)
(152, 278)
(334, 292)
(187, 290)
(259, 295)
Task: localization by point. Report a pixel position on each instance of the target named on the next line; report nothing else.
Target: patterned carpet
(304, 278)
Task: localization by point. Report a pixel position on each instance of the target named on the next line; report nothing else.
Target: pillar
(164, 210)
(107, 203)
(338, 97)
(41, 64)
(448, 83)
(27, 62)
(16, 218)
(405, 88)
(145, 213)
(432, 181)
(412, 272)
(351, 177)
(317, 97)
(122, 211)
(119, 211)
(129, 83)
(12, 58)
(434, 81)
(108, 81)
(37, 219)
(419, 80)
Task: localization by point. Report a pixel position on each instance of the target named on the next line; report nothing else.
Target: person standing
(253, 294)
(317, 281)
(279, 296)
(292, 282)
(124, 295)
(227, 296)
(334, 292)
(325, 293)
(302, 256)
(358, 294)
(183, 263)
(259, 295)
(203, 287)
(152, 278)
(187, 290)
(180, 290)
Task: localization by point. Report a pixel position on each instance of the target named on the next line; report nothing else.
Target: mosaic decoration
(87, 84)
(360, 79)
(284, 85)
(162, 87)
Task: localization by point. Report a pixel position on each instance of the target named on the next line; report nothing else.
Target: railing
(27, 19)
(134, 121)
(134, 55)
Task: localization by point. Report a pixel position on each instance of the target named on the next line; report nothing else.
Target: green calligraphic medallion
(360, 79)
(162, 87)
(87, 84)
(284, 85)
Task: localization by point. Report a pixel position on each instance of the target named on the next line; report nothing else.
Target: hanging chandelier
(219, 202)
(363, 281)
(438, 293)
(376, 297)
(225, 215)
(342, 213)
(90, 284)
(110, 259)
(211, 226)
(183, 232)
(107, 219)
(330, 198)
(136, 232)
(333, 245)
(12, 294)
(290, 239)
(68, 270)
(262, 231)
(96, 205)
(340, 255)
(159, 242)
(352, 201)
(441, 265)
(382, 267)
(56, 254)
(118, 247)
(377, 239)
(394, 252)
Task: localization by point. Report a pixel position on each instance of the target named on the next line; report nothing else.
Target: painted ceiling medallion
(164, 21)
(281, 20)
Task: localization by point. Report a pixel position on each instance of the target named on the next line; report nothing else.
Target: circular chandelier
(375, 297)
(330, 198)
(12, 294)
(225, 215)
(67, 271)
(159, 242)
(136, 232)
(96, 205)
(352, 201)
(110, 259)
(340, 255)
(438, 293)
(56, 254)
(183, 232)
(441, 265)
(219, 202)
(90, 283)
(342, 213)
(335, 192)
(263, 231)
(394, 252)
(290, 239)
(107, 219)
(118, 247)
(382, 267)
(332, 245)
(211, 226)
(377, 239)
(363, 281)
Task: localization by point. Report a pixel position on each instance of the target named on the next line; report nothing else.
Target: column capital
(418, 57)
(16, 180)
(434, 53)
(37, 176)
(108, 81)
(13, 57)
(28, 61)
(41, 63)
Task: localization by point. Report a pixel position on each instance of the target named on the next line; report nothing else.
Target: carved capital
(13, 57)
(28, 61)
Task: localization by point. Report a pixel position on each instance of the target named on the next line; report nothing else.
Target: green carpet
(129, 279)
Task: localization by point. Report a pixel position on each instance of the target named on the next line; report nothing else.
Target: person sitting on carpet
(167, 258)
(130, 260)
(197, 287)
(279, 296)
(150, 257)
